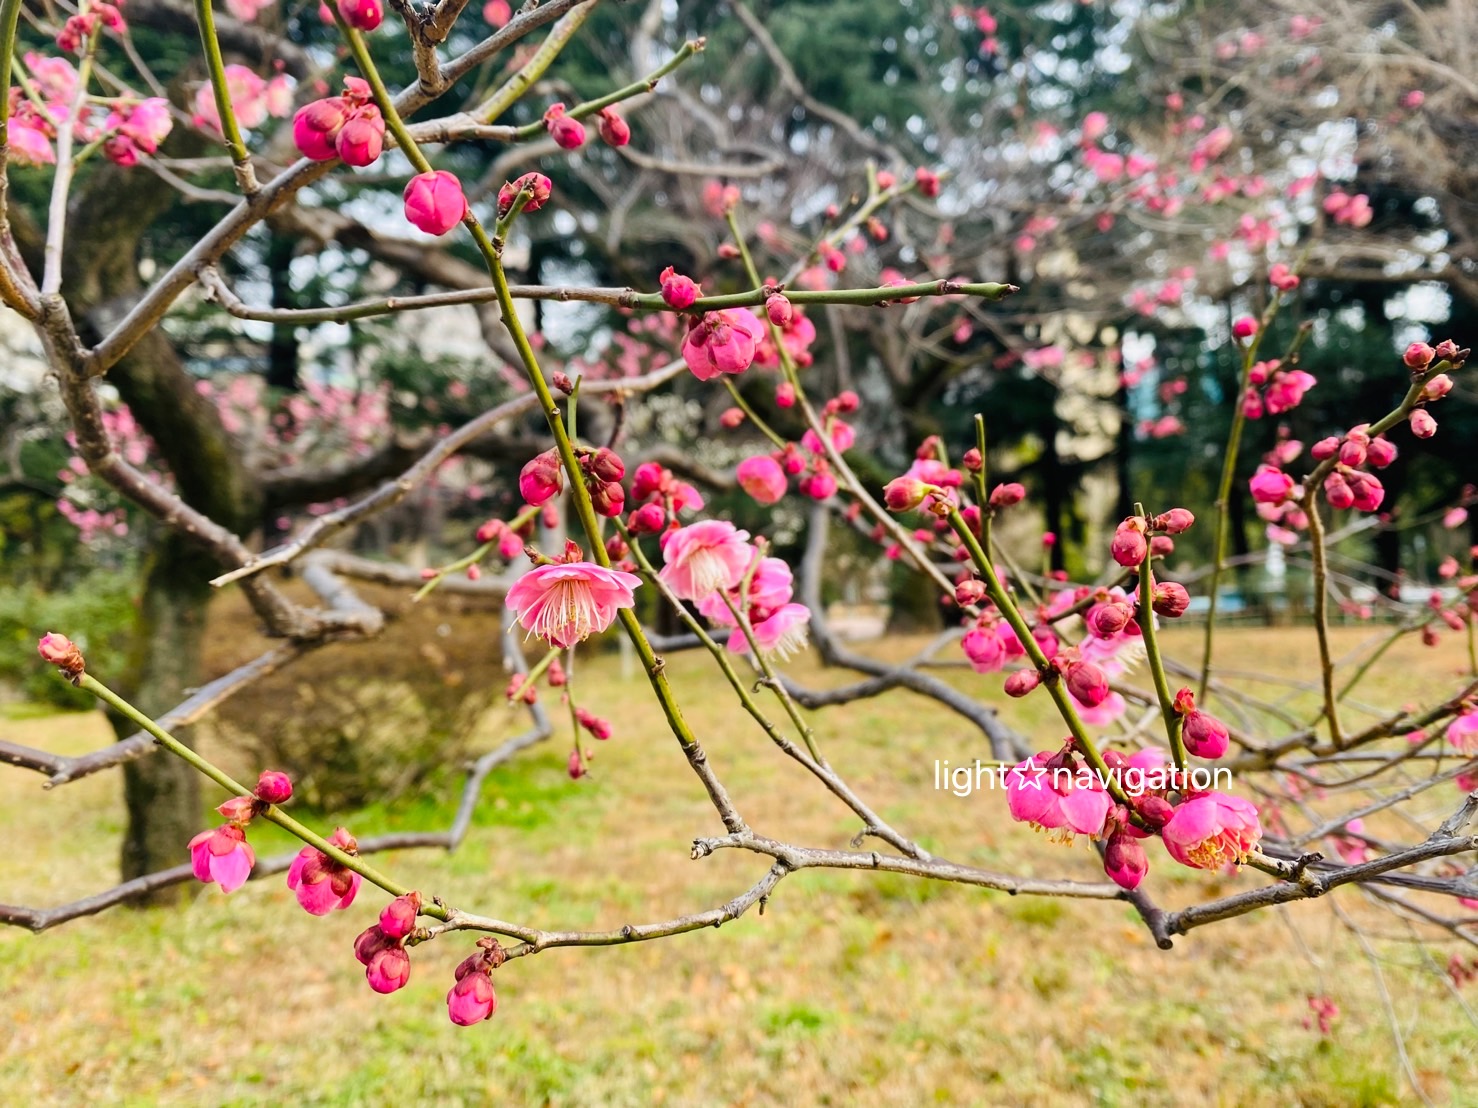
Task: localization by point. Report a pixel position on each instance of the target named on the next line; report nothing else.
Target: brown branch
(40, 919)
(392, 492)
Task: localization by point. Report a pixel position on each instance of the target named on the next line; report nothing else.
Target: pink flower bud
(928, 182)
(1352, 452)
(777, 307)
(886, 180)
(1108, 619)
(1087, 683)
(1129, 545)
(1447, 351)
(541, 478)
(972, 460)
(1381, 452)
(1244, 328)
(472, 999)
(562, 382)
(388, 969)
(762, 478)
(1324, 449)
(1337, 492)
(614, 131)
(239, 809)
(316, 128)
(678, 291)
(969, 592)
(1162, 546)
(1423, 426)
(1367, 489)
(819, 486)
(362, 15)
(568, 133)
(904, 494)
(1437, 386)
(362, 137)
(647, 520)
(1125, 860)
(434, 201)
(1418, 355)
(847, 402)
(399, 917)
(1004, 496)
(731, 418)
(1282, 278)
(605, 465)
(608, 499)
(1270, 485)
(1175, 521)
(575, 766)
(274, 787)
(785, 395)
(598, 727)
(520, 688)
(1154, 810)
(1022, 682)
(370, 942)
(60, 651)
(537, 185)
(1205, 736)
(1170, 599)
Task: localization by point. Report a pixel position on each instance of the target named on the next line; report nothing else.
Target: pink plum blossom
(1211, 830)
(222, 855)
(323, 883)
(704, 556)
(564, 603)
(722, 342)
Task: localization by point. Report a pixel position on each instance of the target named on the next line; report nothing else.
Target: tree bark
(162, 793)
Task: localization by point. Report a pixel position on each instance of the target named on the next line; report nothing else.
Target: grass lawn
(849, 989)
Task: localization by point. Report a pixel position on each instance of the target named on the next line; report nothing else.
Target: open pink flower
(1045, 791)
(704, 556)
(322, 883)
(1462, 732)
(222, 855)
(770, 587)
(722, 342)
(1212, 829)
(565, 603)
(782, 634)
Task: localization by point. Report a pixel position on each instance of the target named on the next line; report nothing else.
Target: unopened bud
(1022, 682)
(1003, 496)
(904, 494)
(969, 592)
(274, 787)
(1175, 521)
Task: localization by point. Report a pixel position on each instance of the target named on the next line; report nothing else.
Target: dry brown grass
(850, 989)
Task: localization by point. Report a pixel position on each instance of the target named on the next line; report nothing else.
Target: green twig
(270, 812)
